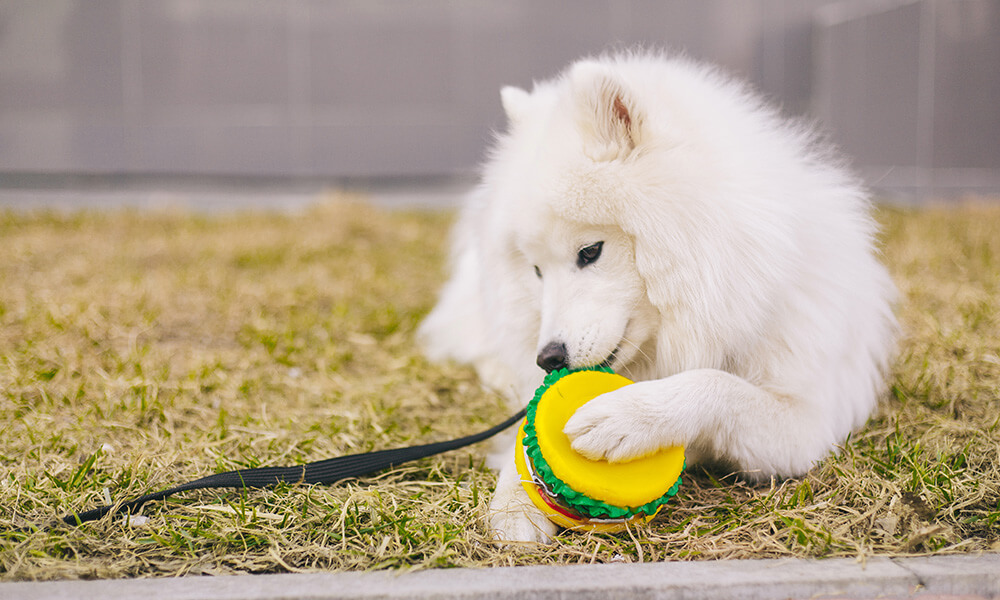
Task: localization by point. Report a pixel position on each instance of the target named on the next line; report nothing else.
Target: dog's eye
(589, 255)
(538, 272)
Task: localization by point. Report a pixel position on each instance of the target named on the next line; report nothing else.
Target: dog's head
(561, 173)
(624, 220)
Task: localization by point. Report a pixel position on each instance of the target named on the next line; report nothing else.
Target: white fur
(738, 282)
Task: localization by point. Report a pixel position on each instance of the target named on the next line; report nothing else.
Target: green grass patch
(140, 350)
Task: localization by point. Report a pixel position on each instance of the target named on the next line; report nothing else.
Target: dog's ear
(609, 121)
(515, 102)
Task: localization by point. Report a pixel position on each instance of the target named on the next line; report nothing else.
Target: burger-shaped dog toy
(573, 491)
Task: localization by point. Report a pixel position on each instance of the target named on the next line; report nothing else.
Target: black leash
(327, 471)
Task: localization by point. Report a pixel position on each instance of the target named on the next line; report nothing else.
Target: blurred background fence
(408, 90)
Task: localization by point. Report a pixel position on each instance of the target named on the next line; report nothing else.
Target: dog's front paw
(521, 524)
(618, 427)
(512, 516)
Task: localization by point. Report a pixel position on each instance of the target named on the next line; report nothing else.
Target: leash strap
(327, 471)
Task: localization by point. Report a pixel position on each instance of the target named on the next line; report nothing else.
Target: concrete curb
(952, 577)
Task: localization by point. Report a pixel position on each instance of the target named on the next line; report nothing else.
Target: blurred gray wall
(912, 91)
(379, 88)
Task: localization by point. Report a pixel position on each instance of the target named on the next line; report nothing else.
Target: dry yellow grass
(140, 350)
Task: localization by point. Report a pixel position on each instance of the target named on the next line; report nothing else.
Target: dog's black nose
(553, 356)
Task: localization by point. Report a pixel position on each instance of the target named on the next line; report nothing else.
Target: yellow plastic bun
(568, 487)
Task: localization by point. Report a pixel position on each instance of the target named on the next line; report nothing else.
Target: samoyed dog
(650, 214)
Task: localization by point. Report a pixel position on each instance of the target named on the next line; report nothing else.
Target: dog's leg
(710, 411)
(513, 518)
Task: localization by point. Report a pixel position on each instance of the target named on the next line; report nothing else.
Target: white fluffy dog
(652, 215)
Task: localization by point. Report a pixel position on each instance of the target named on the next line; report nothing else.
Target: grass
(140, 350)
